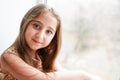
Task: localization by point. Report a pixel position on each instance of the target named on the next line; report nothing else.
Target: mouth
(36, 41)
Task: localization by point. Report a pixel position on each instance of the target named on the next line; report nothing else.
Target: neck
(32, 54)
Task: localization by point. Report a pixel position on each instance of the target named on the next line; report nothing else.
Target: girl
(33, 54)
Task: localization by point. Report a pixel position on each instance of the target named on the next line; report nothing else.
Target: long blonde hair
(47, 54)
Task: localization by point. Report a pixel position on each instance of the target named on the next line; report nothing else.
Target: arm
(22, 71)
(19, 69)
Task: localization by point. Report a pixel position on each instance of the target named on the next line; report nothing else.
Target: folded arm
(14, 65)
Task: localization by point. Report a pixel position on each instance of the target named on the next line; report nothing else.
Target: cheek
(28, 34)
(49, 40)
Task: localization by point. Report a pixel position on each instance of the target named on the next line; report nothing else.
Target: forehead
(47, 19)
(46, 14)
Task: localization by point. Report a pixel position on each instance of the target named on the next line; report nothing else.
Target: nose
(40, 35)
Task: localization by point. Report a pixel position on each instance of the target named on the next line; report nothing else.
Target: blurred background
(91, 30)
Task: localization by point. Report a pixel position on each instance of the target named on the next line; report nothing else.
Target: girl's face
(41, 31)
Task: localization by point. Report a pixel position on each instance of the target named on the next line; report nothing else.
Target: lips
(36, 41)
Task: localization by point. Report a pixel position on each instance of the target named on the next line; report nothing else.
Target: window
(91, 39)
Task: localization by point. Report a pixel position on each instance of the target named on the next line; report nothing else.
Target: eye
(36, 26)
(49, 32)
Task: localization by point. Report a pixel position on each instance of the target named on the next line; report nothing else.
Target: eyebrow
(42, 24)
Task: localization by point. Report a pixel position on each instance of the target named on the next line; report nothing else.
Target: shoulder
(9, 52)
(8, 57)
(5, 55)
(11, 61)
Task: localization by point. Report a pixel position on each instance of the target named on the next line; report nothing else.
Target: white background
(11, 14)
